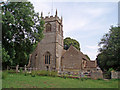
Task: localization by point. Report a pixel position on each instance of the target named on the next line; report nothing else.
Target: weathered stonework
(115, 74)
(52, 43)
(50, 54)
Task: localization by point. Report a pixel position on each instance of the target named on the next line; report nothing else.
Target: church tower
(47, 55)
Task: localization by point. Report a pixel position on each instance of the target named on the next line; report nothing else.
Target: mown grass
(22, 81)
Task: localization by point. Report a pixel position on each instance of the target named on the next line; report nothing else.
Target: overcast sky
(86, 22)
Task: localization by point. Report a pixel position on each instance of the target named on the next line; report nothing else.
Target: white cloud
(91, 51)
(96, 12)
(77, 0)
(85, 22)
(85, 19)
(40, 6)
(92, 55)
(94, 47)
(74, 24)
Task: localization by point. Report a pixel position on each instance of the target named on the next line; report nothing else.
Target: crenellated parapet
(52, 18)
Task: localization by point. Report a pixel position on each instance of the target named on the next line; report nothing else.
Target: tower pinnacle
(56, 13)
(61, 18)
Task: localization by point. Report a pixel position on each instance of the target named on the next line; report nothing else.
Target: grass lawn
(0, 79)
(21, 81)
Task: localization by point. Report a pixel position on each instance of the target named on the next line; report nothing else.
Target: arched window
(48, 27)
(35, 56)
(47, 58)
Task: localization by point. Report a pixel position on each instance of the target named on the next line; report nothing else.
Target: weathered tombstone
(25, 68)
(82, 75)
(17, 70)
(7, 68)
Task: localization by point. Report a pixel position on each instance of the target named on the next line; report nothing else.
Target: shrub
(21, 70)
(86, 78)
(11, 71)
(99, 79)
(65, 76)
(43, 73)
(33, 73)
(107, 75)
(82, 79)
(26, 73)
(38, 73)
(53, 73)
(4, 74)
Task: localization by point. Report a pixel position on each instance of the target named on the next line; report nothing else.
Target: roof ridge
(73, 47)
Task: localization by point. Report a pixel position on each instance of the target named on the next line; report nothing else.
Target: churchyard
(32, 42)
(26, 80)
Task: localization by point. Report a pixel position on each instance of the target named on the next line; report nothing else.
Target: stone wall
(71, 59)
(97, 75)
(115, 75)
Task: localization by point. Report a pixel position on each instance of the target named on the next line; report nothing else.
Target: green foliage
(111, 69)
(5, 58)
(26, 74)
(109, 52)
(11, 71)
(47, 73)
(82, 79)
(21, 31)
(21, 70)
(99, 79)
(33, 73)
(21, 81)
(4, 75)
(53, 73)
(43, 73)
(68, 42)
(107, 75)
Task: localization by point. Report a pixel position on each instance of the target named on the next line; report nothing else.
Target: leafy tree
(21, 31)
(5, 58)
(110, 48)
(68, 41)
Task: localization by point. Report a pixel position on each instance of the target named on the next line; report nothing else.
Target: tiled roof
(73, 49)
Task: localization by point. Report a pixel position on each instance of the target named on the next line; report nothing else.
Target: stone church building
(50, 54)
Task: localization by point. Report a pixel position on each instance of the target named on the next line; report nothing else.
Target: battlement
(52, 18)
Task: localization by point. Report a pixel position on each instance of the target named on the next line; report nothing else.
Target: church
(50, 54)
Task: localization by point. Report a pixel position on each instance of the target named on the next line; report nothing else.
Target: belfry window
(47, 58)
(48, 27)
